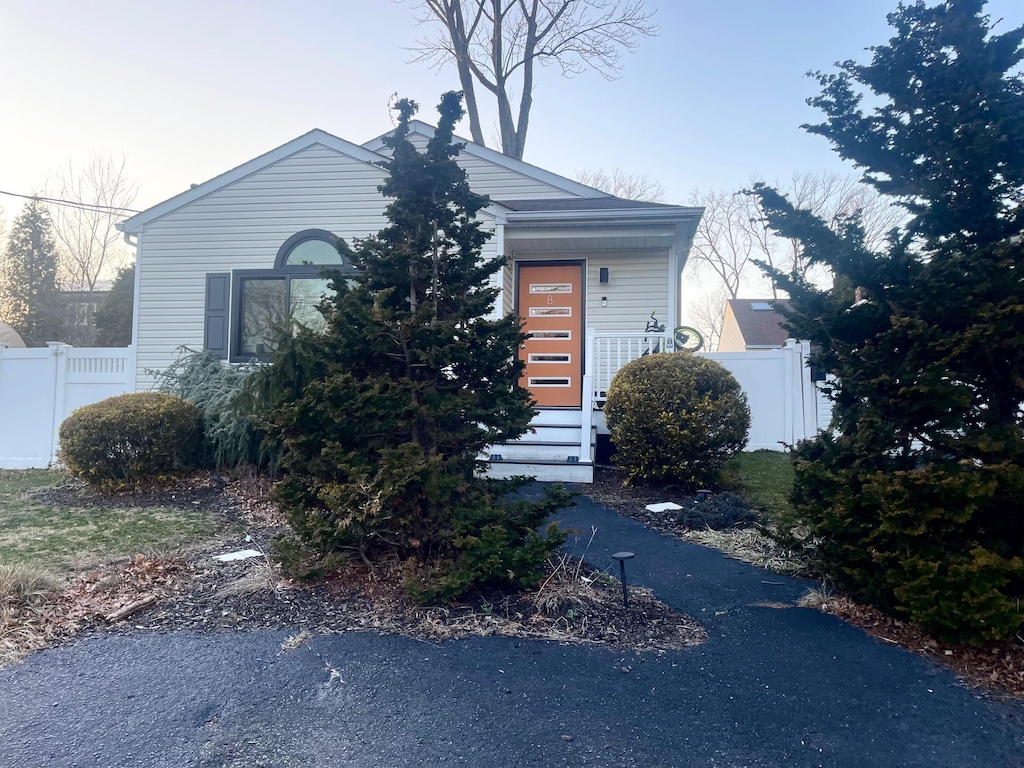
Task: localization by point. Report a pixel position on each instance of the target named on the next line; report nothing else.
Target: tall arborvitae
(917, 503)
(392, 404)
(31, 303)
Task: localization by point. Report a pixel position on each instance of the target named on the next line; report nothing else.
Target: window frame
(280, 271)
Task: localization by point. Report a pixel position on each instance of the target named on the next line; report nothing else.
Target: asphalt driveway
(772, 686)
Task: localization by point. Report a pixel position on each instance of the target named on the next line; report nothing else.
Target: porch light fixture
(604, 274)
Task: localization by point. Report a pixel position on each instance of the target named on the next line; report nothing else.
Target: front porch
(562, 442)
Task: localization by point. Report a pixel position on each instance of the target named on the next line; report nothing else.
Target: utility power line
(92, 207)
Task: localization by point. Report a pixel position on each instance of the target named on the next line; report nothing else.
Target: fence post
(59, 357)
(587, 396)
(810, 400)
(790, 391)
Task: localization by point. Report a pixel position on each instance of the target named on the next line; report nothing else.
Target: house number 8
(551, 299)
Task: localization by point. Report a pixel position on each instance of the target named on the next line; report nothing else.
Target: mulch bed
(193, 591)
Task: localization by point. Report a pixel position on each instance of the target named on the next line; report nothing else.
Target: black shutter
(218, 306)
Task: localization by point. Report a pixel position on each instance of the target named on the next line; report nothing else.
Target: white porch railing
(785, 404)
(609, 351)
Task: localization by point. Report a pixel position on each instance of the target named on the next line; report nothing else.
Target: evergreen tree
(113, 317)
(917, 503)
(384, 414)
(31, 302)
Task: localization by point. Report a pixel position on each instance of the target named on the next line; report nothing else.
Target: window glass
(264, 308)
(306, 294)
(313, 251)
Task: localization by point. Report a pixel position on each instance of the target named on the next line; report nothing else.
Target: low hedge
(129, 439)
(675, 418)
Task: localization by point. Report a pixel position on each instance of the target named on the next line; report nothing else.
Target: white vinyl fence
(39, 388)
(785, 405)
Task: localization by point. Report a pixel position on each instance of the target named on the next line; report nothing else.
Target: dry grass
(260, 577)
(751, 546)
(24, 593)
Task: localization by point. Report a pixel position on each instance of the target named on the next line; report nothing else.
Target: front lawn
(764, 479)
(61, 539)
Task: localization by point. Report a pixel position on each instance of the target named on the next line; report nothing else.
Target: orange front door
(551, 305)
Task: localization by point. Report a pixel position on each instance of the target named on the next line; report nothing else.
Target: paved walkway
(770, 687)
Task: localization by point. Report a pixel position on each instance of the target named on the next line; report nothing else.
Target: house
(219, 263)
(77, 310)
(753, 324)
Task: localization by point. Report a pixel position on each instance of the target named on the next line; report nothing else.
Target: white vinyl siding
(487, 178)
(732, 338)
(242, 226)
(637, 285)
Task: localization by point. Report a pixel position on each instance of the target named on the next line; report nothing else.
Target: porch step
(556, 416)
(535, 451)
(544, 471)
(544, 433)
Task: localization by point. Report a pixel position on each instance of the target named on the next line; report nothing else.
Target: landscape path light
(622, 557)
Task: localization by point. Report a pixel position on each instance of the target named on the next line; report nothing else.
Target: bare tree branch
(91, 247)
(722, 243)
(733, 234)
(620, 183)
(498, 43)
(707, 312)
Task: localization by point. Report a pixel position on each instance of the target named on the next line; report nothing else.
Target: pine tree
(31, 303)
(384, 414)
(918, 501)
(113, 317)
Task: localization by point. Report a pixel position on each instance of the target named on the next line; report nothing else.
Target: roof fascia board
(678, 213)
(138, 222)
(493, 156)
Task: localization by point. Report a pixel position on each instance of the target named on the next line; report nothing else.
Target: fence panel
(767, 382)
(27, 391)
(39, 388)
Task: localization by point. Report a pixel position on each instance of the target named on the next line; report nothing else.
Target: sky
(185, 90)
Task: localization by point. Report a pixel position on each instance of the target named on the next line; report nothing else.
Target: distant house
(753, 324)
(77, 311)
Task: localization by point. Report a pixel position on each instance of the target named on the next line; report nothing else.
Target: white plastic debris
(242, 554)
(665, 506)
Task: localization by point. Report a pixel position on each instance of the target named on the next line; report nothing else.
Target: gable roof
(760, 326)
(137, 222)
(492, 156)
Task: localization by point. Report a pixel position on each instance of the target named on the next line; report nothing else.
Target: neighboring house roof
(493, 156)
(759, 323)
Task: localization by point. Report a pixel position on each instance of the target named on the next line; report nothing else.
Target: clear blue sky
(187, 89)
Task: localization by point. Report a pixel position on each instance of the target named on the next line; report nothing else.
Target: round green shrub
(675, 418)
(124, 440)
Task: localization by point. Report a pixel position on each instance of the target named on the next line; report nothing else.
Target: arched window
(267, 300)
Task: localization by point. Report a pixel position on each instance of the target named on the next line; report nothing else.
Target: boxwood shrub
(128, 439)
(675, 418)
